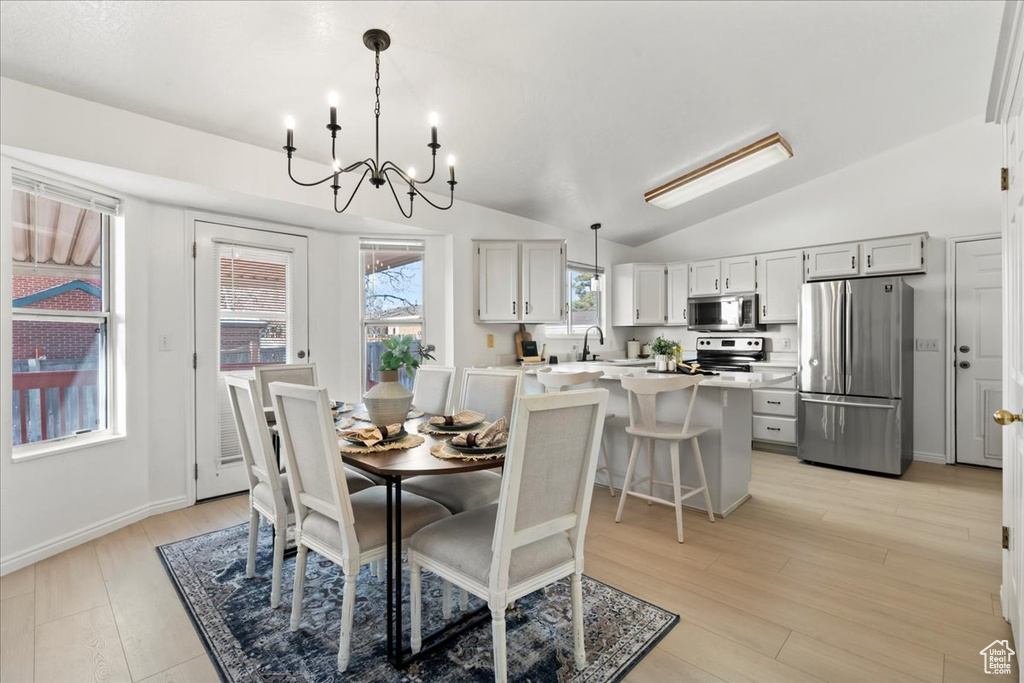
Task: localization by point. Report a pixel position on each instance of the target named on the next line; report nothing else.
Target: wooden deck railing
(82, 382)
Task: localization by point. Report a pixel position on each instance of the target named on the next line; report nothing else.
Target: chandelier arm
(351, 196)
(451, 198)
(395, 194)
(299, 182)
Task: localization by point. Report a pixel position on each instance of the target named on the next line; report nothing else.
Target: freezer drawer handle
(847, 405)
(774, 429)
(775, 403)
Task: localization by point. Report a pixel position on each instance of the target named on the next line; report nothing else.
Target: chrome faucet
(586, 349)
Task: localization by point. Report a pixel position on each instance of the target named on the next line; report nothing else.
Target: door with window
(392, 302)
(251, 308)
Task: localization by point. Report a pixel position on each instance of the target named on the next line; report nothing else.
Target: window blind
(68, 194)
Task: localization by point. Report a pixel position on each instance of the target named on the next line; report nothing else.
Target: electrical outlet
(787, 343)
(164, 342)
(490, 341)
(927, 344)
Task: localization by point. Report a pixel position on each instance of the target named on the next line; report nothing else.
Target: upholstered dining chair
(644, 426)
(558, 381)
(343, 526)
(432, 389)
(492, 393)
(293, 373)
(533, 536)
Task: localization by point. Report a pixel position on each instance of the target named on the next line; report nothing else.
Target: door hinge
(195, 360)
(1004, 179)
(1006, 538)
(196, 472)
(193, 250)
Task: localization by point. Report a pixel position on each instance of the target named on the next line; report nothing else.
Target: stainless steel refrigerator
(856, 374)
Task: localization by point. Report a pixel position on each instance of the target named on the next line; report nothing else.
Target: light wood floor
(822, 575)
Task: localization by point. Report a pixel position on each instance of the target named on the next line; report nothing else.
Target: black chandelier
(380, 173)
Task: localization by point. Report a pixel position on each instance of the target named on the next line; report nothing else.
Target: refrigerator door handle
(848, 404)
(847, 337)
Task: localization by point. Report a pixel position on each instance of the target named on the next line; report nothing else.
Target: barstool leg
(633, 455)
(650, 470)
(673, 448)
(607, 465)
(703, 479)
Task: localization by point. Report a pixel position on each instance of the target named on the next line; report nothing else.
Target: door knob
(965, 349)
(302, 354)
(1006, 418)
(964, 365)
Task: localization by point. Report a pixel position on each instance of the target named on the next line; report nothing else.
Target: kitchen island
(724, 405)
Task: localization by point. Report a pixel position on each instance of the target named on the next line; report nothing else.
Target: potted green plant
(662, 348)
(388, 401)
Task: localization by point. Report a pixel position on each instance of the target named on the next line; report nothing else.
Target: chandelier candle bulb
(434, 120)
(332, 100)
(289, 124)
(451, 168)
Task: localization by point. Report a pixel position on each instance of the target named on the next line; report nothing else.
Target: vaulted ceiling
(564, 112)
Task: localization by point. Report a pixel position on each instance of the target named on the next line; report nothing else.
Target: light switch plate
(787, 343)
(164, 343)
(928, 345)
(490, 341)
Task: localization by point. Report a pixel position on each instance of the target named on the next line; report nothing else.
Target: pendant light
(595, 282)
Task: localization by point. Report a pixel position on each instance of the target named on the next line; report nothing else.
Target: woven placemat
(413, 414)
(404, 444)
(446, 452)
(439, 430)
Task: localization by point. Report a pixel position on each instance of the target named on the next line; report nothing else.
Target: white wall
(167, 171)
(946, 184)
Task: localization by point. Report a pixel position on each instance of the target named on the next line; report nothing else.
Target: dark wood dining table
(393, 466)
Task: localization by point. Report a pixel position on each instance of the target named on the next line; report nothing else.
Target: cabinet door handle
(853, 261)
(869, 260)
(513, 308)
(727, 283)
(764, 310)
(774, 429)
(527, 308)
(716, 283)
(775, 403)
(638, 314)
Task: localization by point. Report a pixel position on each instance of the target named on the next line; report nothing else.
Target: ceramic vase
(661, 363)
(388, 402)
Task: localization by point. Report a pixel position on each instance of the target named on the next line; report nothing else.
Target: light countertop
(725, 380)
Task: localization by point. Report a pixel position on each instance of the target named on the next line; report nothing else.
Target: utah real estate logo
(998, 657)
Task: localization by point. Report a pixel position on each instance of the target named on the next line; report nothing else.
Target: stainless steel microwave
(723, 313)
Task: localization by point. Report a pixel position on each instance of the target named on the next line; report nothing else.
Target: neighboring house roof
(36, 297)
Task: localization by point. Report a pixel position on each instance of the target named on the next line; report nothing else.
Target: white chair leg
(464, 600)
(348, 601)
(498, 635)
(577, 621)
(378, 569)
(703, 479)
(650, 470)
(607, 465)
(254, 533)
(633, 455)
(280, 539)
(298, 585)
(677, 491)
(446, 599)
(416, 606)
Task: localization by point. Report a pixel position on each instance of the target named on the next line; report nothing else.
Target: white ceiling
(564, 112)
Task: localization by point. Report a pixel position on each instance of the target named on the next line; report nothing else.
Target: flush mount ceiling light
(380, 173)
(720, 172)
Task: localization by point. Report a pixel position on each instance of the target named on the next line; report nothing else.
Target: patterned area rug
(249, 641)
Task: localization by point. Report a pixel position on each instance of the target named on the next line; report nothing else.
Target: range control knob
(750, 343)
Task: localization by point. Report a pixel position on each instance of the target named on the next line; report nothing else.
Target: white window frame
(565, 330)
(112, 313)
(388, 244)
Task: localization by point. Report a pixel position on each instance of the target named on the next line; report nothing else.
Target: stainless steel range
(729, 354)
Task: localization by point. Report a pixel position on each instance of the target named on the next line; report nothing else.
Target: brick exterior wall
(75, 300)
(54, 340)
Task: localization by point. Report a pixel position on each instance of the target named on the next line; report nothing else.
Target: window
(586, 307)
(392, 299)
(60, 310)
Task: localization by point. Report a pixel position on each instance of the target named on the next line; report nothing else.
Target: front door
(978, 350)
(250, 309)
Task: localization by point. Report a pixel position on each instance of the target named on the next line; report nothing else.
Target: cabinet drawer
(779, 429)
(788, 384)
(775, 402)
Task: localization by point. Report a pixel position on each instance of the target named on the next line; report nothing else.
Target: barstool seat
(645, 427)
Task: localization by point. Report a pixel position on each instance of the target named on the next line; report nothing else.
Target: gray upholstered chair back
(253, 434)
(310, 447)
(292, 373)
(491, 392)
(548, 473)
(432, 389)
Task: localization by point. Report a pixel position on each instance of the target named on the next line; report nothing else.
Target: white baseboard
(939, 459)
(42, 551)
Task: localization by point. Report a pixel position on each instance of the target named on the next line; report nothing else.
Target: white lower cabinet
(775, 429)
(774, 411)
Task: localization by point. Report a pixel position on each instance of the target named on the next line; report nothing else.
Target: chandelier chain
(376, 109)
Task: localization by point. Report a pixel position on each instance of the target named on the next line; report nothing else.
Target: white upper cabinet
(543, 281)
(520, 281)
(705, 277)
(678, 287)
(779, 276)
(833, 261)
(738, 275)
(893, 255)
(638, 294)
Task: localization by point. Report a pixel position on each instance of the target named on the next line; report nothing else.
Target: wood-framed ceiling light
(732, 167)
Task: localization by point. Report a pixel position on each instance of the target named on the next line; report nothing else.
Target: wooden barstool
(554, 382)
(644, 426)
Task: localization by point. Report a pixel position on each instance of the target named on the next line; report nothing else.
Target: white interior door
(251, 308)
(979, 351)
(1005, 107)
